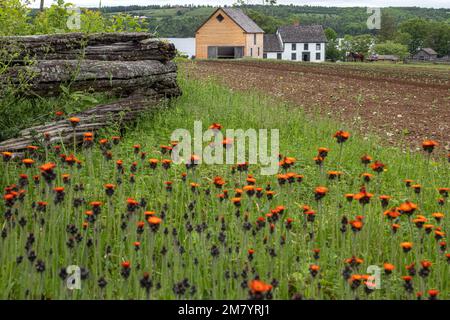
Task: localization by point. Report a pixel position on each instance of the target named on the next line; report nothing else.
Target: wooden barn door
(238, 52)
(212, 52)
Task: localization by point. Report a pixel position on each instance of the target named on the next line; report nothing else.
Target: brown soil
(403, 105)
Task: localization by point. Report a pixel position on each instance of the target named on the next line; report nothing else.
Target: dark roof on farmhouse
(243, 20)
(429, 51)
(299, 33)
(272, 43)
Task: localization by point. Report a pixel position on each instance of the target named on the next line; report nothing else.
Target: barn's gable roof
(240, 18)
(272, 43)
(300, 33)
(243, 20)
(429, 51)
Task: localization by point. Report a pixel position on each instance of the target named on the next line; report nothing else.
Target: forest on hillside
(182, 21)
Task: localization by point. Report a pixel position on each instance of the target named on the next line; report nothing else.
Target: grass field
(145, 241)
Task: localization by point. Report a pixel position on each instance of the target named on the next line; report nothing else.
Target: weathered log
(121, 78)
(99, 46)
(91, 120)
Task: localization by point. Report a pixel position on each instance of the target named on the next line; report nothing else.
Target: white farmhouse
(296, 43)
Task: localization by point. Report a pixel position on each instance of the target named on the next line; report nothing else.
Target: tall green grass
(226, 275)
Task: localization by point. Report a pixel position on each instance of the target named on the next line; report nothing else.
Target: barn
(229, 34)
(425, 54)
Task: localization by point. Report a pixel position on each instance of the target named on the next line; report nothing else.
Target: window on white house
(294, 46)
(258, 51)
(318, 46)
(305, 46)
(279, 56)
(254, 38)
(265, 56)
(220, 18)
(251, 52)
(318, 56)
(293, 56)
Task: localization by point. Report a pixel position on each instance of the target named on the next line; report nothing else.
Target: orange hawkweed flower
(377, 166)
(318, 160)
(250, 180)
(426, 264)
(320, 192)
(395, 227)
(367, 177)
(28, 162)
(323, 152)
(153, 163)
(433, 293)
(236, 201)
(96, 203)
(391, 214)
(88, 136)
(429, 145)
(314, 270)
(7, 156)
(287, 162)
(270, 194)
(166, 163)
(215, 126)
(218, 182)
(356, 225)
(407, 208)
(154, 220)
(384, 200)
(149, 213)
(250, 190)
(388, 268)
(366, 159)
(349, 196)
(444, 192)
(259, 287)
(334, 174)
(406, 246)
(341, 136)
(419, 221)
(363, 196)
(32, 148)
(74, 121)
(408, 182)
(438, 216)
(417, 188)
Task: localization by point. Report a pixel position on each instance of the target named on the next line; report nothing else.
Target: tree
(388, 26)
(331, 51)
(358, 44)
(417, 28)
(392, 48)
(41, 7)
(14, 18)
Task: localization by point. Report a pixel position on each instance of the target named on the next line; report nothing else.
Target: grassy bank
(207, 241)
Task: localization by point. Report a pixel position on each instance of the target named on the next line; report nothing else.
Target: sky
(329, 3)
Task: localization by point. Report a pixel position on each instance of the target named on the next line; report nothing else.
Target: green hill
(182, 21)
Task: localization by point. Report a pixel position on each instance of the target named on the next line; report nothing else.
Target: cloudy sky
(340, 3)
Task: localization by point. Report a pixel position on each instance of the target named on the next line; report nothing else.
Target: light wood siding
(215, 33)
(251, 44)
